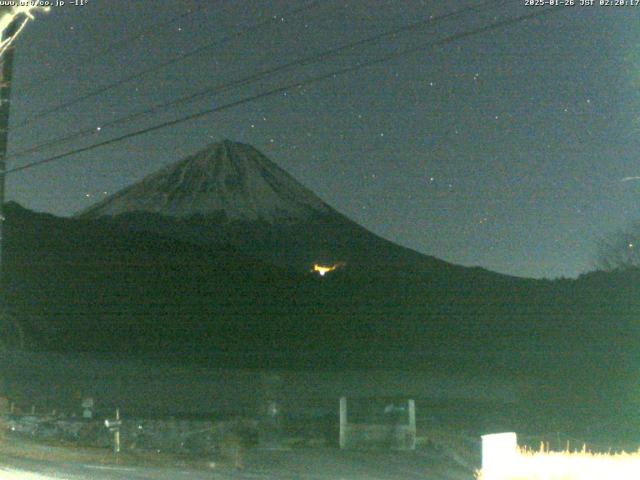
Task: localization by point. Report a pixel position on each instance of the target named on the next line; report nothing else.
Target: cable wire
(118, 44)
(279, 90)
(316, 57)
(106, 88)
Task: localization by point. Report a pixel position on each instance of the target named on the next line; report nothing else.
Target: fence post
(412, 424)
(116, 434)
(114, 426)
(499, 455)
(343, 422)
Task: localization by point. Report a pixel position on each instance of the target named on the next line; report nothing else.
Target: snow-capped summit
(227, 179)
(230, 194)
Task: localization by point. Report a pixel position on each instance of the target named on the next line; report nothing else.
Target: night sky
(505, 149)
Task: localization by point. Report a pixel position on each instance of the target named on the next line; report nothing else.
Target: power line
(257, 76)
(99, 91)
(118, 44)
(275, 91)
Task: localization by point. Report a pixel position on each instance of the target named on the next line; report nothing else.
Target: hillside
(92, 285)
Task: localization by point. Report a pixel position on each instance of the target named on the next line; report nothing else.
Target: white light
(502, 459)
(7, 18)
(499, 455)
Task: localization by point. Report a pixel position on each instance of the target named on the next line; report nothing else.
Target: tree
(620, 251)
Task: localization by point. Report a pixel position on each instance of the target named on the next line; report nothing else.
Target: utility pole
(8, 34)
(6, 72)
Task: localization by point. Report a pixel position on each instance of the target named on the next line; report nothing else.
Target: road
(27, 469)
(309, 464)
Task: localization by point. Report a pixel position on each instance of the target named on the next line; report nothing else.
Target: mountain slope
(228, 181)
(85, 285)
(94, 285)
(231, 194)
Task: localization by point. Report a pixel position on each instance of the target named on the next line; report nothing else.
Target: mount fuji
(229, 181)
(231, 194)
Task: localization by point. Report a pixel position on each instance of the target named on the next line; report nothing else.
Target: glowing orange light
(323, 269)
